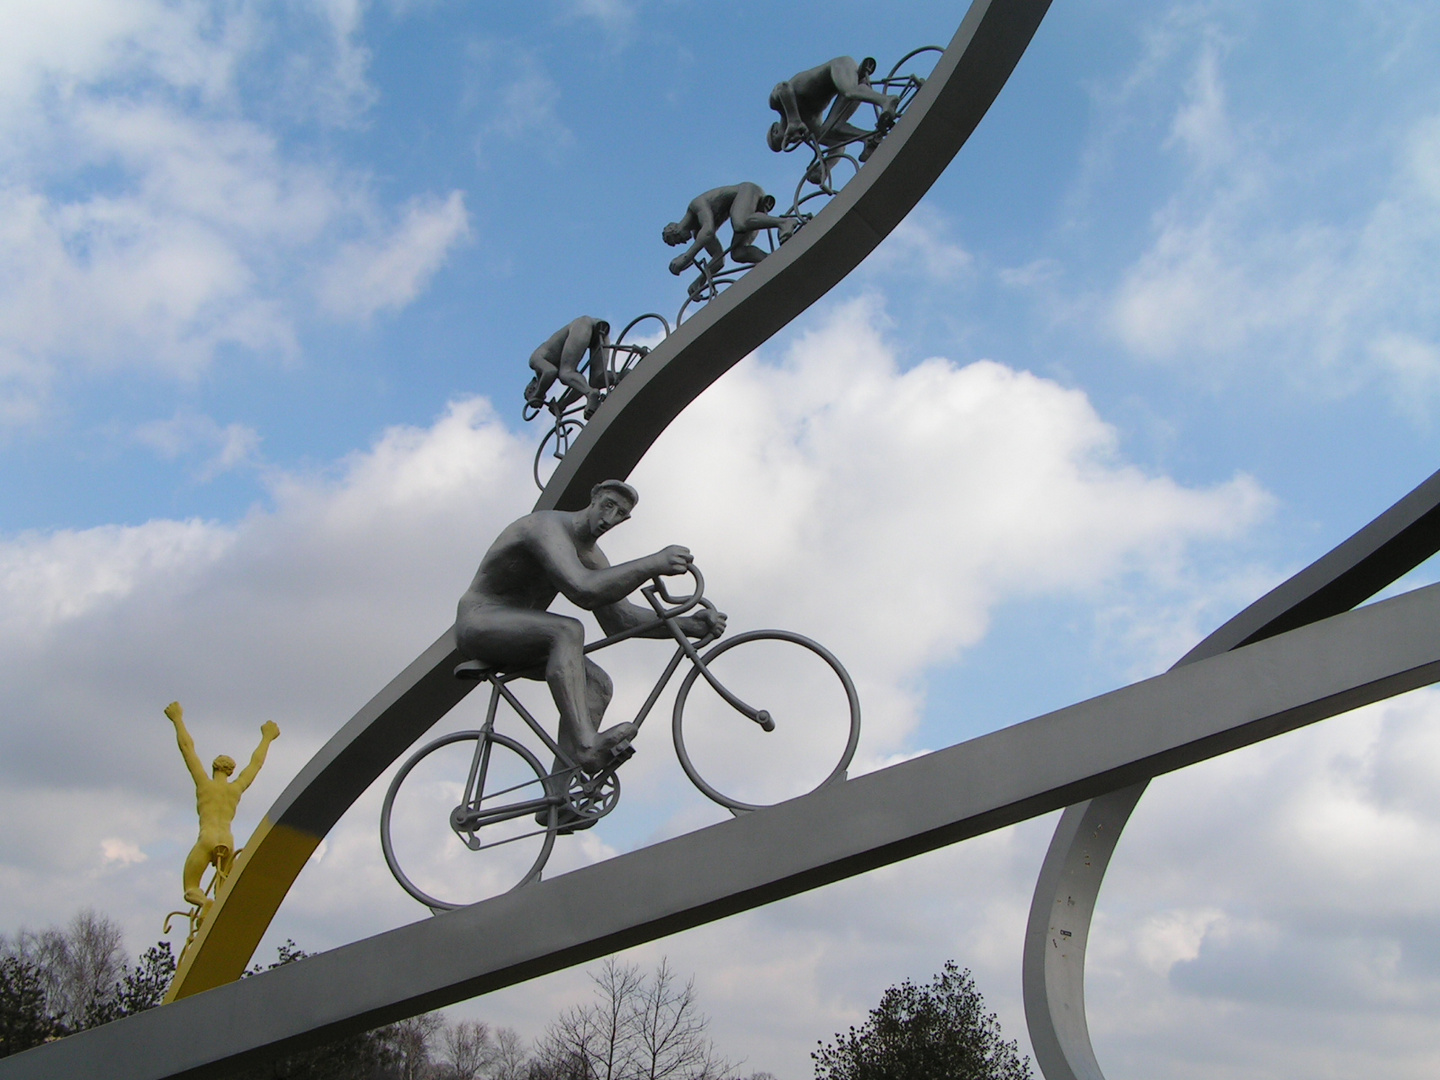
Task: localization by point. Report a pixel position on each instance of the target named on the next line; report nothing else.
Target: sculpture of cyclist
(503, 621)
(841, 85)
(747, 208)
(558, 357)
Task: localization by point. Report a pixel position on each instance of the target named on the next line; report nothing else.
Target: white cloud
(229, 447)
(1270, 912)
(389, 272)
(115, 850)
(613, 15)
(528, 97)
(1237, 277)
(920, 245)
(152, 215)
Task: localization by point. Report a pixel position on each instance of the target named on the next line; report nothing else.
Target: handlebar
(656, 593)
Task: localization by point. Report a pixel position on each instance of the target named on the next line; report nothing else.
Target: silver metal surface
(1066, 892)
(1184, 716)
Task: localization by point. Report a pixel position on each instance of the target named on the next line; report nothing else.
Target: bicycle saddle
(473, 670)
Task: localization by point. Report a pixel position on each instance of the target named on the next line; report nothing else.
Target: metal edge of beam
(1163, 723)
(992, 37)
(1068, 887)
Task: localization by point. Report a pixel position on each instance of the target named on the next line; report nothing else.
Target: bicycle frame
(469, 817)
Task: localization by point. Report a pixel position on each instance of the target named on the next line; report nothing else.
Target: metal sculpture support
(1058, 931)
(992, 37)
(988, 44)
(1105, 744)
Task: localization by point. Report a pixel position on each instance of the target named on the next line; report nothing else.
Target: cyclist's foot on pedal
(571, 822)
(567, 821)
(610, 744)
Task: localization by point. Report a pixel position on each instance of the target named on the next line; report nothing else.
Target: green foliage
(24, 1020)
(145, 987)
(935, 1032)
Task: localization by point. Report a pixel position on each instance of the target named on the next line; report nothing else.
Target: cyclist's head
(867, 67)
(602, 328)
(767, 203)
(619, 489)
(223, 764)
(776, 136)
(674, 234)
(610, 504)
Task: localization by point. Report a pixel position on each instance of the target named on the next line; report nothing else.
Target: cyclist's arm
(623, 615)
(593, 587)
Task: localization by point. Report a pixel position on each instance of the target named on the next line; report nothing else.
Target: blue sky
(1165, 331)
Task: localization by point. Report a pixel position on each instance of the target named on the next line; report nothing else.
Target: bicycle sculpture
(840, 86)
(562, 359)
(217, 797)
(491, 790)
(747, 208)
(816, 107)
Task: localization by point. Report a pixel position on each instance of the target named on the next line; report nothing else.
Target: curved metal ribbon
(1069, 884)
(979, 59)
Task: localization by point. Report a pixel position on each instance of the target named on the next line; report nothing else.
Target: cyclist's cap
(617, 486)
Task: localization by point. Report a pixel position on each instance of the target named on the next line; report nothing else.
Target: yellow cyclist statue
(216, 799)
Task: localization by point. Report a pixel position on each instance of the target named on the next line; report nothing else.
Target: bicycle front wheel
(802, 687)
(448, 850)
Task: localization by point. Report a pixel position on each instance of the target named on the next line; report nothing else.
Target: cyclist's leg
(577, 344)
(517, 638)
(598, 692)
(545, 373)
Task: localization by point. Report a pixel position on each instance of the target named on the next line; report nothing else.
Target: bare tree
(80, 966)
(413, 1039)
(669, 1032)
(635, 1028)
(511, 1060)
(469, 1050)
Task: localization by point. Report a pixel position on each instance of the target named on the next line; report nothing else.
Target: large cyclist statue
(503, 621)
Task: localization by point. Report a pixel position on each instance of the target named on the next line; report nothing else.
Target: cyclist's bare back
(502, 618)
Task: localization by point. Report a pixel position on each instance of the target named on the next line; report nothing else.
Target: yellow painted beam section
(267, 867)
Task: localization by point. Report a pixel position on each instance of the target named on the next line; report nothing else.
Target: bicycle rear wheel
(448, 851)
(803, 688)
(554, 446)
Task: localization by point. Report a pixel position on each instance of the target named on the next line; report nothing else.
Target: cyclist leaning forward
(502, 619)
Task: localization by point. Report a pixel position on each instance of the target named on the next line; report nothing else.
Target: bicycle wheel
(457, 852)
(806, 692)
(554, 446)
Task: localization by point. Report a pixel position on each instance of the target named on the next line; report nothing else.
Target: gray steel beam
(1058, 931)
(1184, 716)
(969, 75)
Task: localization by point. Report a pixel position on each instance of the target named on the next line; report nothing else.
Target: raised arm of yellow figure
(269, 732)
(187, 744)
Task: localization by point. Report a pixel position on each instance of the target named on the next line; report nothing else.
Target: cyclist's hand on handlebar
(673, 560)
(704, 624)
